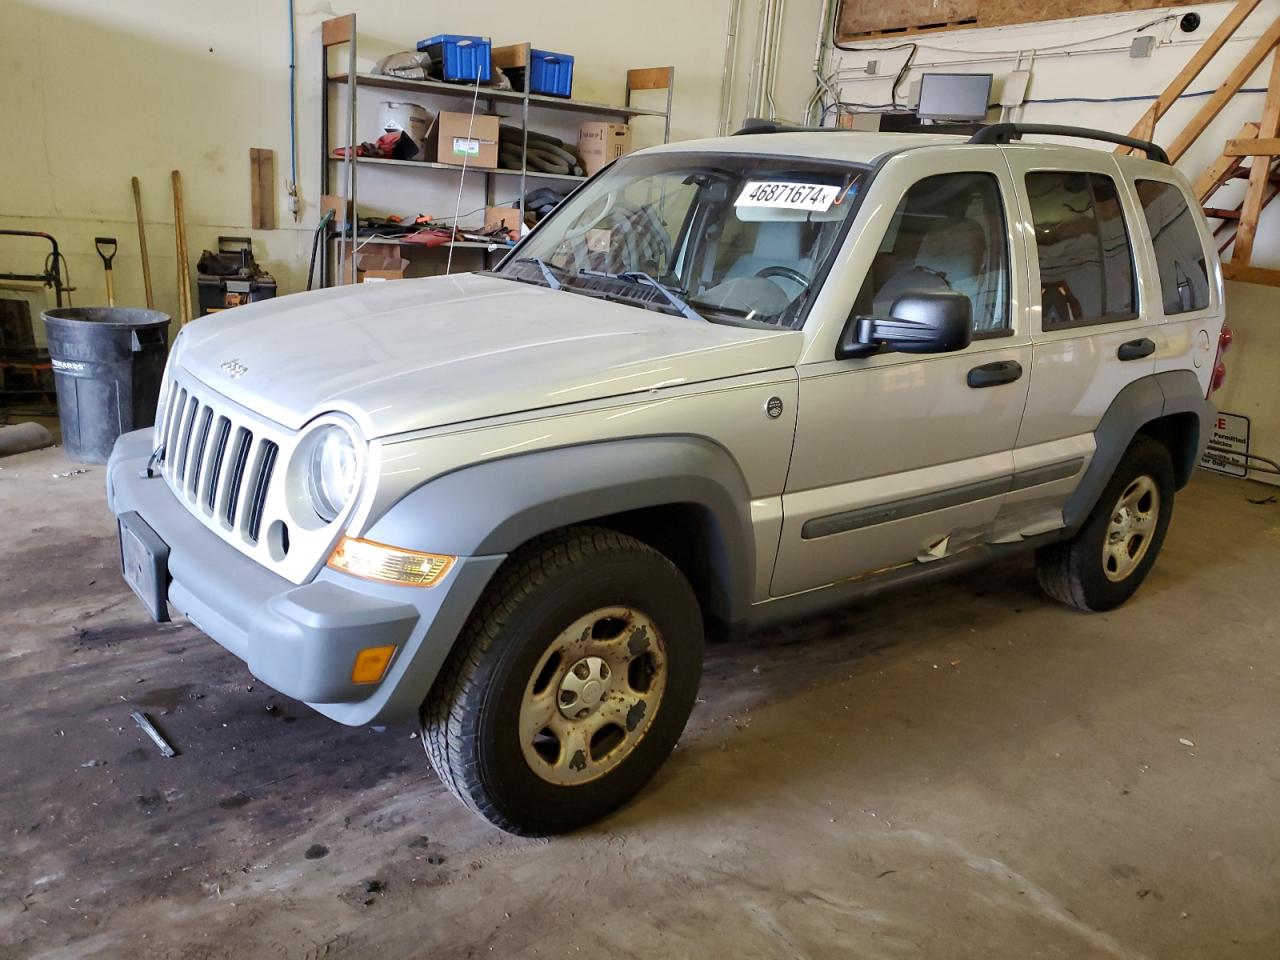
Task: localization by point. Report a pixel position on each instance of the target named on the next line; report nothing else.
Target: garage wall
(1082, 74)
(93, 93)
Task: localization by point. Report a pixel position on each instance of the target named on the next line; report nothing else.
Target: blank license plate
(144, 561)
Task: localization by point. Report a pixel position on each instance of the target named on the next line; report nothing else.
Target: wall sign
(1230, 432)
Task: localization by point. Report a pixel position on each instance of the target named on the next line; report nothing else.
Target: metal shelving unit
(342, 30)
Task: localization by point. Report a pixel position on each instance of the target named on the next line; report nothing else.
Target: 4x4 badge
(234, 368)
(773, 408)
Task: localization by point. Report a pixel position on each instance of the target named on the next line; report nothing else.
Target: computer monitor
(954, 96)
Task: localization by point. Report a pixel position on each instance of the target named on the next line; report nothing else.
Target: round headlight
(331, 472)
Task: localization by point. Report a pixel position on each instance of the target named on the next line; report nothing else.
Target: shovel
(106, 247)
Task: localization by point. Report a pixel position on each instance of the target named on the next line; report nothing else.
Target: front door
(903, 457)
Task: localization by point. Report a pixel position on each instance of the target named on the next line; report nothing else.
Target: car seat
(779, 243)
(952, 255)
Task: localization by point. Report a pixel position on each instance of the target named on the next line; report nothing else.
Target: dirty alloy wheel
(570, 684)
(1106, 561)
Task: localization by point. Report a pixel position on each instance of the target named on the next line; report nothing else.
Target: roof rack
(1000, 133)
(760, 125)
(993, 133)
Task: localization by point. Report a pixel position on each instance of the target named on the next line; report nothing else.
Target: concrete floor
(964, 772)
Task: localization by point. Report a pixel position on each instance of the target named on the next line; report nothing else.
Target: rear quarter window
(1180, 254)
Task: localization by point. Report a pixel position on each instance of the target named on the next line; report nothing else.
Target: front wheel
(1106, 561)
(570, 685)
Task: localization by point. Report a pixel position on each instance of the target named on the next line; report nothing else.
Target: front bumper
(300, 640)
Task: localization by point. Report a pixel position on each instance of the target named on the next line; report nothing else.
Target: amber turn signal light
(371, 664)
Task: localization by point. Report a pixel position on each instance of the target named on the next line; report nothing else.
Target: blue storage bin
(459, 56)
(550, 73)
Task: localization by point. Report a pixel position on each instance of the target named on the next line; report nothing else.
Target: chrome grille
(217, 461)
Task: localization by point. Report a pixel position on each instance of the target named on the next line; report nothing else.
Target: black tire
(1073, 571)
(470, 720)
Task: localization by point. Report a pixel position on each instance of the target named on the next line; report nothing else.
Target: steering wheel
(790, 273)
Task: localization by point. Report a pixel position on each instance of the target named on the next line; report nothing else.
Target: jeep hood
(411, 354)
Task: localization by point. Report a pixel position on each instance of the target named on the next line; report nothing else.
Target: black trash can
(108, 363)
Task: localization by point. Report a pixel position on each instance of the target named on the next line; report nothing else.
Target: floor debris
(149, 728)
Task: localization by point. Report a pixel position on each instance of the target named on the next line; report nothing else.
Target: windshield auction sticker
(787, 195)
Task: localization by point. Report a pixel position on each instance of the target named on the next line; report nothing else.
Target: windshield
(725, 238)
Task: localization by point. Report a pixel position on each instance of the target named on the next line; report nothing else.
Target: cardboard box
(601, 143)
(376, 267)
(450, 142)
(508, 217)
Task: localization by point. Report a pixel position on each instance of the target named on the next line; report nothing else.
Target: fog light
(371, 664)
(379, 561)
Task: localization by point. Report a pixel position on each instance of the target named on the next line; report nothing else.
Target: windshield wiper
(547, 275)
(644, 279)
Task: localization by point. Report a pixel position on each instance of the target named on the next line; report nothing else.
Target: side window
(1184, 278)
(948, 233)
(1086, 262)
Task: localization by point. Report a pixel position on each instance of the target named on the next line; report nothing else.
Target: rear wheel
(1107, 560)
(570, 685)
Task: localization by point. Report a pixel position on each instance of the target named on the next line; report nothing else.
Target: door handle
(1136, 349)
(994, 374)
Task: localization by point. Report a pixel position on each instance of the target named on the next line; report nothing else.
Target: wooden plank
(1220, 169)
(1212, 44)
(1253, 147)
(1249, 62)
(909, 31)
(1259, 172)
(895, 18)
(510, 57)
(1224, 232)
(650, 78)
(1145, 128)
(895, 15)
(994, 13)
(1221, 213)
(1243, 274)
(262, 188)
(255, 192)
(338, 30)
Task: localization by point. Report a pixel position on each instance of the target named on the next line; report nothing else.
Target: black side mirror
(933, 321)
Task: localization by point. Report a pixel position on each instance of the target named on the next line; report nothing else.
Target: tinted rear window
(1086, 263)
(1184, 278)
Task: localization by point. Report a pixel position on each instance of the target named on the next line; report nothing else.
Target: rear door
(901, 456)
(1182, 252)
(1093, 327)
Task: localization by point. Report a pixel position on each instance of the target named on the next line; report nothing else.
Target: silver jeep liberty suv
(725, 383)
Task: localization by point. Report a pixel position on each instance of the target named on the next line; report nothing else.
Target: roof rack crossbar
(1000, 133)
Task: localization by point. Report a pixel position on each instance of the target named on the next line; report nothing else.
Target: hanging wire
(462, 177)
(915, 46)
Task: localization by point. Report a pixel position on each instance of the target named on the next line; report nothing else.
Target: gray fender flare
(494, 507)
(1139, 403)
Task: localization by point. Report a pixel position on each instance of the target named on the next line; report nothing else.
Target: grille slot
(198, 451)
(222, 433)
(177, 397)
(239, 459)
(262, 480)
(184, 439)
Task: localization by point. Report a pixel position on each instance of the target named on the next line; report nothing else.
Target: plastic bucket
(108, 363)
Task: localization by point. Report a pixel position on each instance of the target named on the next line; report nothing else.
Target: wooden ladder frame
(1259, 141)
